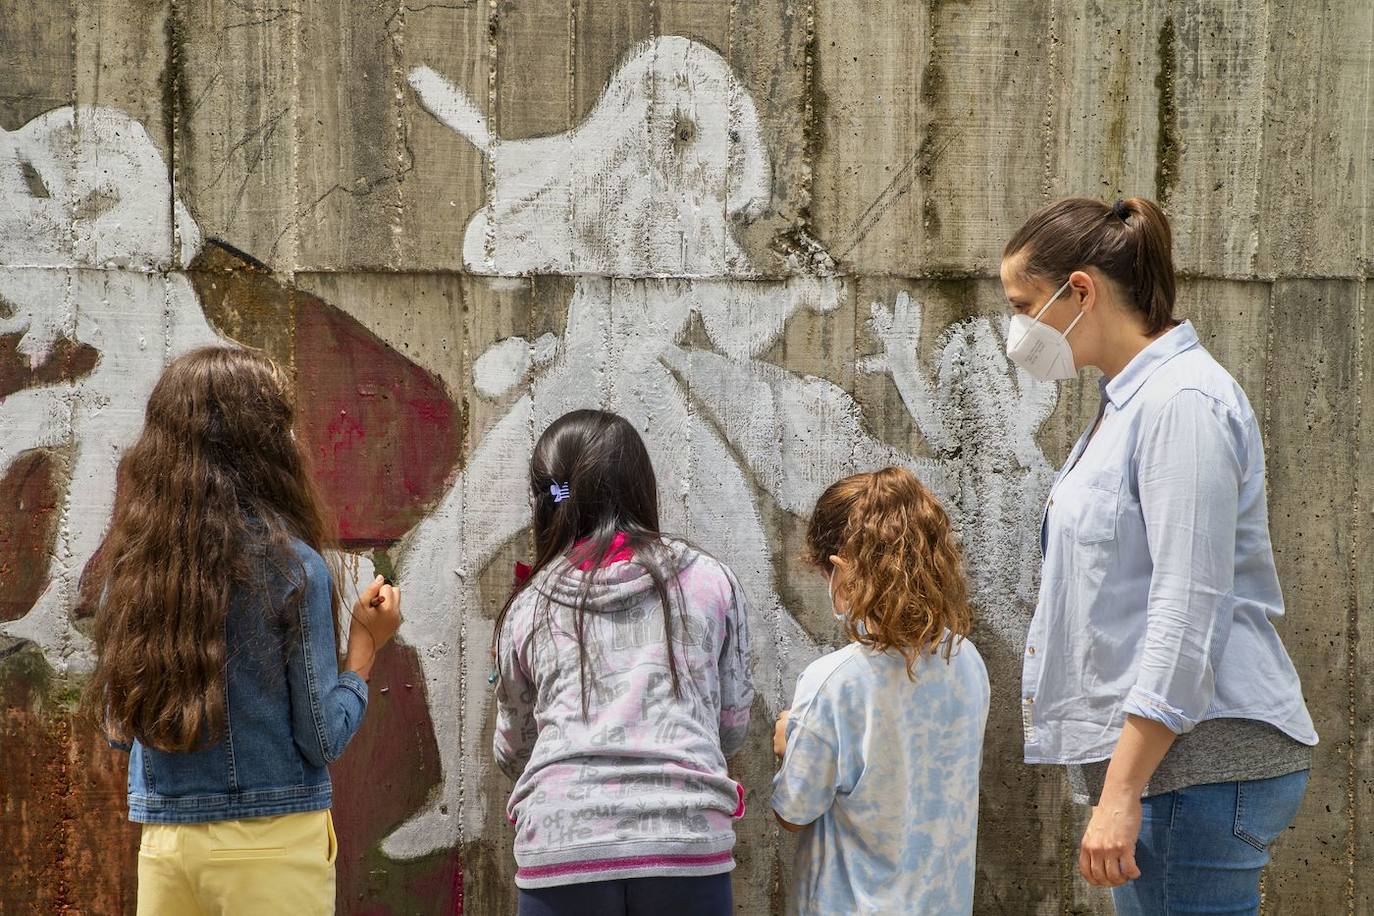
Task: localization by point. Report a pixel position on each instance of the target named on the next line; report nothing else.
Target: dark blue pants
(708, 895)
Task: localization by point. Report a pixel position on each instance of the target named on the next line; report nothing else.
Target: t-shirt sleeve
(805, 785)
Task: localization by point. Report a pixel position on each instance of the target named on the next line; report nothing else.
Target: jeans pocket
(1265, 807)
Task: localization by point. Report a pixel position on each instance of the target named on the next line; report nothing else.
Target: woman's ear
(1084, 286)
(839, 563)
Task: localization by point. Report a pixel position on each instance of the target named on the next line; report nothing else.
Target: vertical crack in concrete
(493, 118)
(1166, 157)
(1047, 123)
(572, 62)
(400, 136)
(1352, 633)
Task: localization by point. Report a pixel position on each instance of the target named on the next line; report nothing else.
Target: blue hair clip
(559, 491)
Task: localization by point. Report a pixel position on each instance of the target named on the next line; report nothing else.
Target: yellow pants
(263, 865)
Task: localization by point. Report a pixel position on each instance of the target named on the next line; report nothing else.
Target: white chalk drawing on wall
(648, 189)
(89, 252)
(92, 246)
(639, 203)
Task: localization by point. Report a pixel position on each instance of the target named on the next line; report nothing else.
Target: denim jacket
(288, 711)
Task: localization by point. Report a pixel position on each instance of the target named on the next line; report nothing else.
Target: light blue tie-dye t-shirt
(884, 769)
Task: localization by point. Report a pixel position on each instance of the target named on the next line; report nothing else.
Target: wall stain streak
(1167, 153)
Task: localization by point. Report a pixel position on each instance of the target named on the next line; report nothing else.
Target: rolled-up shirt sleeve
(1190, 465)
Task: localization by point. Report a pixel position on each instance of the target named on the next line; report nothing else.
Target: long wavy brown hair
(903, 577)
(217, 467)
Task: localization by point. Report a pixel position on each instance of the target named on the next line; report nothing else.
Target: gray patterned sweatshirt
(640, 788)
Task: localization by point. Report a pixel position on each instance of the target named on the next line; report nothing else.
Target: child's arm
(780, 748)
(736, 672)
(326, 706)
(515, 731)
(117, 744)
(805, 785)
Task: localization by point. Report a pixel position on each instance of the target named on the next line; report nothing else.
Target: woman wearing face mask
(1152, 666)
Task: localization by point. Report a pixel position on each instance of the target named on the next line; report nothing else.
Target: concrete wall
(768, 232)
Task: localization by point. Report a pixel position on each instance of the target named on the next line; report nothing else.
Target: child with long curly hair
(881, 748)
(217, 651)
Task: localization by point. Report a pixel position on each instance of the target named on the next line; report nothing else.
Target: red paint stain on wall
(68, 845)
(29, 489)
(67, 361)
(383, 432)
(387, 772)
(28, 497)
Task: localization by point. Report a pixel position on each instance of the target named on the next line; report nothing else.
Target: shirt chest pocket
(1100, 499)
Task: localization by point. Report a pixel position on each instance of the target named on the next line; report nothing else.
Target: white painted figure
(92, 246)
(90, 242)
(639, 203)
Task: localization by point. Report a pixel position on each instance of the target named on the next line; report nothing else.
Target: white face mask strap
(1046, 306)
(1073, 324)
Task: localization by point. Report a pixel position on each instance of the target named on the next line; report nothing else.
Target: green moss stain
(933, 84)
(1166, 159)
(1118, 100)
(25, 678)
(815, 114)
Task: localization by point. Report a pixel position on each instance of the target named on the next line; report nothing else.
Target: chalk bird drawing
(640, 203)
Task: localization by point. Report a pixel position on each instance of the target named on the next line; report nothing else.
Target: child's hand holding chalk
(376, 617)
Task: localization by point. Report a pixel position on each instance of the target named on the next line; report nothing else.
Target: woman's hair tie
(1120, 210)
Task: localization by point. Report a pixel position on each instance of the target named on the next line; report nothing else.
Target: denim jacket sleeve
(1190, 467)
(326, 706)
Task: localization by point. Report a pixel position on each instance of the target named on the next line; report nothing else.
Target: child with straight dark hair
(881, 748)
(624, 684)
(217, 650)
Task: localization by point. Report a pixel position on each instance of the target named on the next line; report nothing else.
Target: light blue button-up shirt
(1158, 594)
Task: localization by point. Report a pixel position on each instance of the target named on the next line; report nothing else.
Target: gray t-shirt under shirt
(1217, 750)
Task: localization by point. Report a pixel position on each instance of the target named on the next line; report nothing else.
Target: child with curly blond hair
(881, 748)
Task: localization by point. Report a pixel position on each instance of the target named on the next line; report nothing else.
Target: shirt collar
(1123, 387)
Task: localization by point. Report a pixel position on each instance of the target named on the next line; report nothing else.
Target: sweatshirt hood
(615, 585)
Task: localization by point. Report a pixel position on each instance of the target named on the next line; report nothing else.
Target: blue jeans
(1201, 849)
(707, 895)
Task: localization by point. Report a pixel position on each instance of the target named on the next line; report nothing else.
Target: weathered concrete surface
(768, 231)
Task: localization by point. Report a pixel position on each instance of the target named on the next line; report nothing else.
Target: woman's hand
(376, 617)
(780, 733)
(1106, 857)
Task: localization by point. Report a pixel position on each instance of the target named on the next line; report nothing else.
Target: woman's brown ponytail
(1129, 241)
